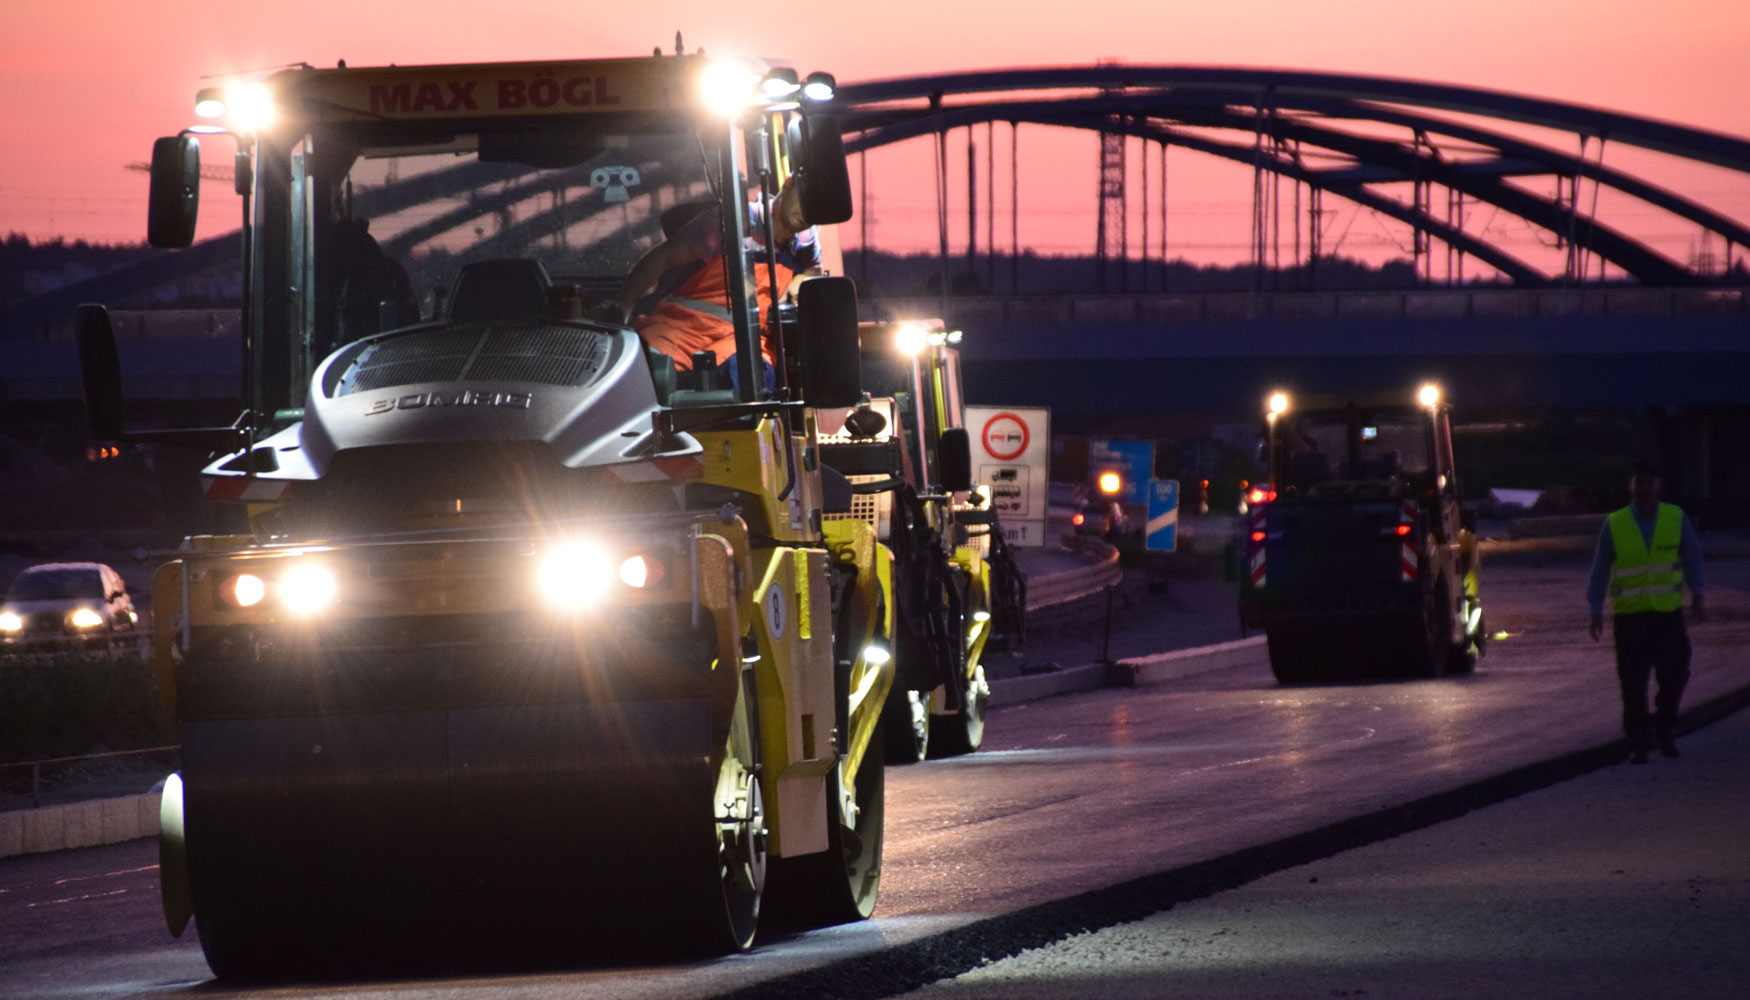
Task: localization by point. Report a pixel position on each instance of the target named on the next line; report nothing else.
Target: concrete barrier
(1185, 662)
(1132, 672)
(79, 824)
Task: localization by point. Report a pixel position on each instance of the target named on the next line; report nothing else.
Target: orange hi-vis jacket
(695, 315)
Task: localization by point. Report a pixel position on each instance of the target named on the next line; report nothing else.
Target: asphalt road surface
(1629, 882)
(1082, 812)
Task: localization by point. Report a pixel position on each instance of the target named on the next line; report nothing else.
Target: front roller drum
(962, 732)
(838, 885)
(905, 725)
(457, 838)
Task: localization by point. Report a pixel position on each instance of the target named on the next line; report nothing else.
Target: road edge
(901, 969)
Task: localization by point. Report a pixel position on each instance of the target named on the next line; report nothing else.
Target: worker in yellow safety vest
(1647, 552)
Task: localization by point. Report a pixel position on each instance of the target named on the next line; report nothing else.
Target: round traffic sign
(1005, 437)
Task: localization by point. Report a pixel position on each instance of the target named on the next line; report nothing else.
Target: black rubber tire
(1295, 656)
(1428, 644)
(839, 885)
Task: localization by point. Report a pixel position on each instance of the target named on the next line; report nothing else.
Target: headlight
(640, 571)
(819, 87)
(307, 588)
(910, 339)
(574, 575)
(726, 85)
(251, 107)
(1111, 483)
(245, 590)
(85, 618)
(10, 622)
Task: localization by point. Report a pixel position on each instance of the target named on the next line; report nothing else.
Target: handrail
(36, 775)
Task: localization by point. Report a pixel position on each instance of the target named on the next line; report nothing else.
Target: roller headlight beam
(307, 589)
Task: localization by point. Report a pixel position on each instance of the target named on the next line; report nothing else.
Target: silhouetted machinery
(1363, 562)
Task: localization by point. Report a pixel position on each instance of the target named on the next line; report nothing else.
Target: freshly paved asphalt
(1630, 882)
(1098, 808)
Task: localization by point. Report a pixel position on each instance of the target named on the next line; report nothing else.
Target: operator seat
(500, 288)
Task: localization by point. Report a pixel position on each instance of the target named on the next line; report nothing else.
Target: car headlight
(84, 618)
(10, 621)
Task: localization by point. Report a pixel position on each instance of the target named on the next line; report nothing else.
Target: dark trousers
(1651, 643)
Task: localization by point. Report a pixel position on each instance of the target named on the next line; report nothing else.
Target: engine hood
(583, 390)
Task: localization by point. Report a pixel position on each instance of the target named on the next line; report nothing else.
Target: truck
(957, 583)
(528, 643)
(1359, 560)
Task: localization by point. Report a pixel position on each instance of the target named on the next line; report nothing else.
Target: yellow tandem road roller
(956, 580)
(539, 644)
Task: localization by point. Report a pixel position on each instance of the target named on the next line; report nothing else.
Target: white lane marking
(77, 899)
(71, 879)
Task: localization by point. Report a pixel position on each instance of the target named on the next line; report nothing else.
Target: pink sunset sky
(87, 84)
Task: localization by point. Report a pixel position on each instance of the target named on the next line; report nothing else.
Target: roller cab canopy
(653, 85)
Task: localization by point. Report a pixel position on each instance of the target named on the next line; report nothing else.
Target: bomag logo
(461, 397)
(541, 91)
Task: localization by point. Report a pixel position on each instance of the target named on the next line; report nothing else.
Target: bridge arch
(1290, 109)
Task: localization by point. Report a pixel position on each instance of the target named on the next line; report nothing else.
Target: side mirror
(826, 177)
(174, 202)
(100, 370)
(954, 460)
(831, 360)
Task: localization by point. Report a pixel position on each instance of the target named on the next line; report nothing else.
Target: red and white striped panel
(251, 489)
(1407, 556)
(655, 470)
(1257, 549)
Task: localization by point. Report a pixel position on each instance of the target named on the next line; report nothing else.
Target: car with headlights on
(66, 603)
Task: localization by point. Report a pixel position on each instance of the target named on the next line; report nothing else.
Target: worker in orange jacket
(685, 276)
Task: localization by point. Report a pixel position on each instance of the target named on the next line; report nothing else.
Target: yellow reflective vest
(1644, 579)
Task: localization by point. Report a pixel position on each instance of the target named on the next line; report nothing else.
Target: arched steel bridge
(1342, 134)
(1347, 135)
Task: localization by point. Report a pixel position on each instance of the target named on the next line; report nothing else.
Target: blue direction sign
(1163, 515)
(1135, 458)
